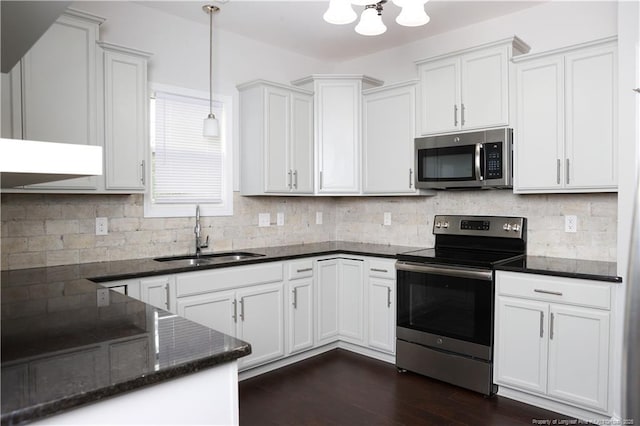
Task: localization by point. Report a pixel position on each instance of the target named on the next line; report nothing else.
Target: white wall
(545, 27)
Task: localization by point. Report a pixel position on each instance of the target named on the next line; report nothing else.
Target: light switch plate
(318, 218)
(280, 219)
(264, 219)
(103, 297)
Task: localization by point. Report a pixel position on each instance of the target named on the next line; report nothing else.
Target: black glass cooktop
(448, 256)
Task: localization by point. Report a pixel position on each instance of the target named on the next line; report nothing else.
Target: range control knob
(445, 225)
(506, 227)
(515, 227)
(438, 225)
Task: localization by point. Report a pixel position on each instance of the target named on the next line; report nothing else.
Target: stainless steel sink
(209, 258)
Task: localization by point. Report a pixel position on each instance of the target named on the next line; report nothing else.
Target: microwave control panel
(493, 159)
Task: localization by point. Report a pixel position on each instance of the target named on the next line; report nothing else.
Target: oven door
(446, 308)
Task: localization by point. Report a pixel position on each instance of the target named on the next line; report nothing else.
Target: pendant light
(340, 12)
(211, 124)
(371, 21)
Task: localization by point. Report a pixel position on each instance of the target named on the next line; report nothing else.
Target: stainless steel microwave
(465, 160)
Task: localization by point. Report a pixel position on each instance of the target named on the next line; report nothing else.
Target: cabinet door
(485, 89)
(300, 315)
(217, 310)
(277, 124)
(351, 300)
(591, 119)
(539, 138)
(156, 291)
(521, 344)
(59, 90)
(579, 356)
(387, 140)
(327, 301)
(261, 323)
(382, 314)
(125, 118)
(337, 109)
(439, 96)
(302, 143)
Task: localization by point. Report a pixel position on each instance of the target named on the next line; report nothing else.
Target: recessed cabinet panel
(302, 143)
(351, 300)
(216, 310)
(301, 314)
(382, 317)
(327, 301)
(277, 123)
(440, 92)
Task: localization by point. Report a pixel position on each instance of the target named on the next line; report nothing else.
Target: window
(188, 168)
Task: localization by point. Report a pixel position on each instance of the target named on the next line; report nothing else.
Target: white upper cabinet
(388, 126)
(566, 138)
(55, 89)
(467, 89)
(337, 123)
(125, 116)
(276, 134)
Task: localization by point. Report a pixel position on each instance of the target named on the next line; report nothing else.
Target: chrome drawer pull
(555, 293)
(303, 270)
(379, 270)
(541, 324)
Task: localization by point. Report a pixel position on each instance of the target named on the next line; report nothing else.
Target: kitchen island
(69, 358)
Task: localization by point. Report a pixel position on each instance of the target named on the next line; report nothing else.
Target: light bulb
(370, 23)
(340, 12)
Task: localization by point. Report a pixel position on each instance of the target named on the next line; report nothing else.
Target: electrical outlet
(264, 219)
(570, 223)
(102, 226)
(318, 218)
(103, 297)
(387, 219)
(280, 219)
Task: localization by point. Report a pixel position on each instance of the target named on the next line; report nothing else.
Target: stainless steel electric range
(445, 299)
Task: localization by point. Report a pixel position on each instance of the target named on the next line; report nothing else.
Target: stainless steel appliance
(465, 160)
(445, 299)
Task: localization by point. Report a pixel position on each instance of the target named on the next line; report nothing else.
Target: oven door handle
(476, 274)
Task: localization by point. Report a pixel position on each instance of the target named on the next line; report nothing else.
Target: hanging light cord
(211, 10)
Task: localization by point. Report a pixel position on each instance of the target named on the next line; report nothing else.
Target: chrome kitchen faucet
(196, 231)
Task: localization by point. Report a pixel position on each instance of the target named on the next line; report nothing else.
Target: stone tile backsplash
(46, 230)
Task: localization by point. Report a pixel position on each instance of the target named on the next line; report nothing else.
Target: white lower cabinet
(382, 305)
(156, 291)
(300, 306)
(327, 301)
(553, 338)
(351, 294)
(215, 310)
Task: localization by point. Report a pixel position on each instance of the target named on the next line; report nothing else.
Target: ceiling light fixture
(211, 125)
(340, 12)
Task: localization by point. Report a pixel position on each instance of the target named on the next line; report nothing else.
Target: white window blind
(187, 167)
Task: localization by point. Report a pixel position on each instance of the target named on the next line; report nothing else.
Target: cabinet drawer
(225, 278)
(554, 289)
(300, 269)
(382, 268)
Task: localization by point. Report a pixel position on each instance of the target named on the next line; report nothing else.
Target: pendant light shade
(211, 127)
(340, 12)
(370, 22)
(412, 13)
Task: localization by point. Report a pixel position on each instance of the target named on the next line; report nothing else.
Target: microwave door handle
(479, 148)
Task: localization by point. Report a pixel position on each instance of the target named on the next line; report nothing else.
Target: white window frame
(225, 208)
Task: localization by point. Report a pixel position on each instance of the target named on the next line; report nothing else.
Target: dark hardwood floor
(343, 388)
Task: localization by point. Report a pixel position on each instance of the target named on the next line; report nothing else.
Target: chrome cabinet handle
(168, 294)
(320, 179)
(235, 310)
(551, 327)
(455, 115)
(295, 179)
(142, 170)
(410, 178)
(541, 324)
(304, 270)
(478, 169)
(295, 298)
(637, 90)
(558, 171)
(388, 297)
(242, 308)
(462, 114)
(555, 293)
(567, 172)
(289, 179)
(379, 270)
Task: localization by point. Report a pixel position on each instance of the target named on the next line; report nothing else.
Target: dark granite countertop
(560, 267)
(60, 350)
